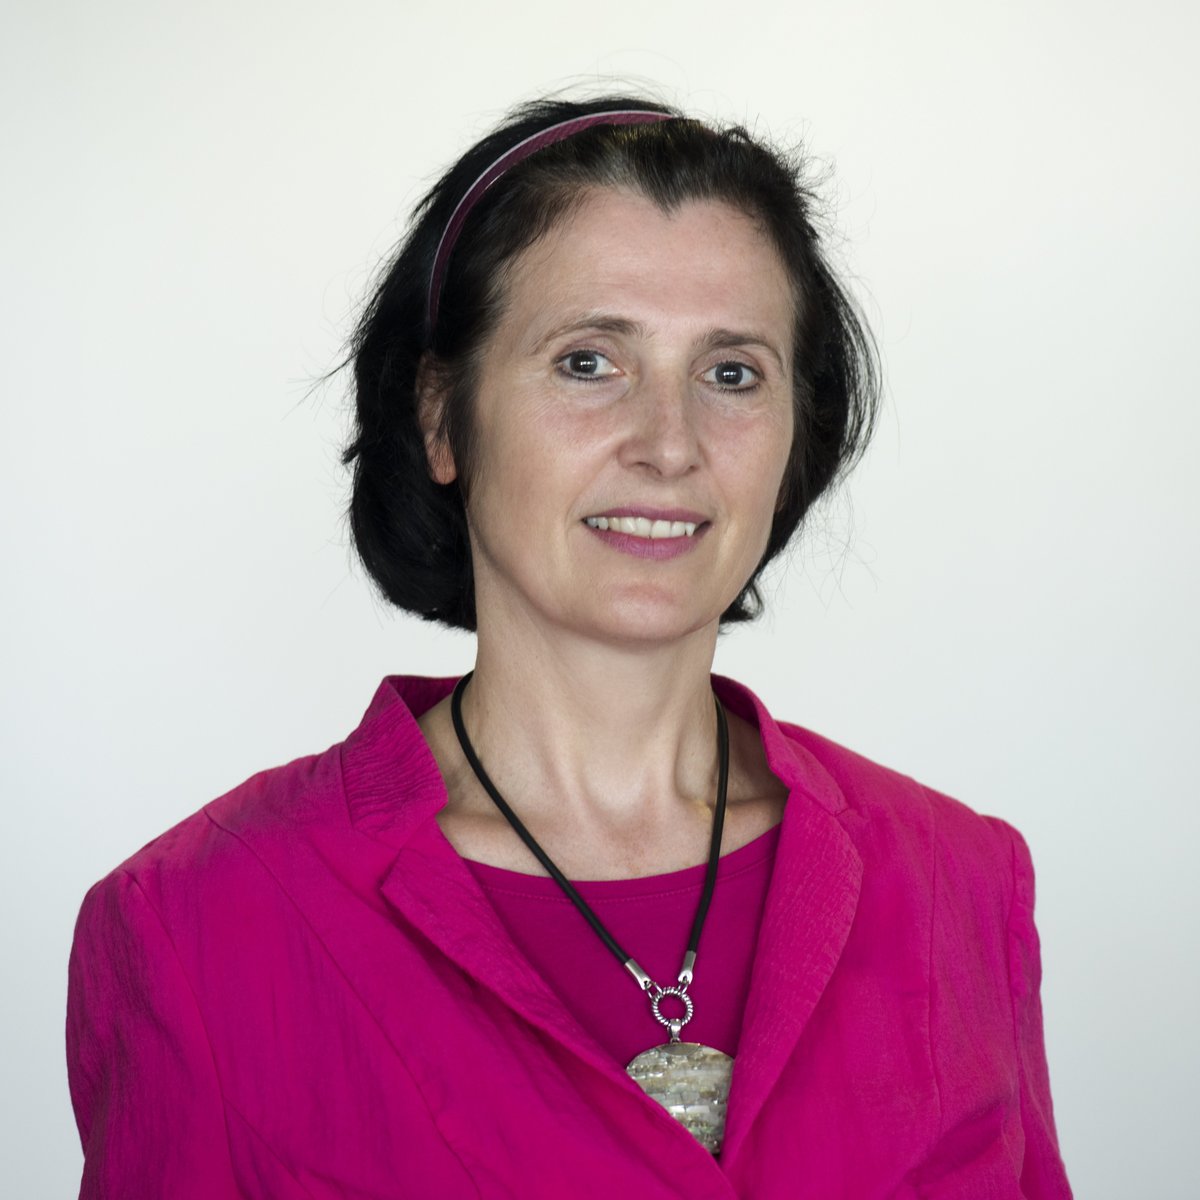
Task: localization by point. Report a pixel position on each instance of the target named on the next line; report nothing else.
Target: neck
(616, 738)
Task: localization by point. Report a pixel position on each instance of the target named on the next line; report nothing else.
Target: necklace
(690, 1080)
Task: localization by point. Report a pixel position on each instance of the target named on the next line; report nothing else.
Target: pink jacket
(301, 991)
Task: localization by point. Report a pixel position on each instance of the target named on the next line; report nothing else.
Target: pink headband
(506, 161)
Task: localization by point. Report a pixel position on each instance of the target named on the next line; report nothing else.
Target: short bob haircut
(411, 532)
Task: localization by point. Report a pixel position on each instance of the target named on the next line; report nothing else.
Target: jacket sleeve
(143, 1082)
(1043, 1176)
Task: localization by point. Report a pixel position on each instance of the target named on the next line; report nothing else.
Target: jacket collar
(394, 790)
(393, 783)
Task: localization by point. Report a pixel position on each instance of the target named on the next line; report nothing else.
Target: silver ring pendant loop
(674, 1024)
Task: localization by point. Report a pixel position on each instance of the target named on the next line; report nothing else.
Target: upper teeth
(643, 526)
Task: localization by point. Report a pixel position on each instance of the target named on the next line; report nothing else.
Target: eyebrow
(714, 339)
(720, 339)
(605, 322)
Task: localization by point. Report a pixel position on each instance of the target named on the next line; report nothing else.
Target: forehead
(616, 251)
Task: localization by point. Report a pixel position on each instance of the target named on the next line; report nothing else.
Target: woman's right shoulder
(214, 848)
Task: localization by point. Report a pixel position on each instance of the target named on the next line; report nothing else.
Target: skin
(642, 358)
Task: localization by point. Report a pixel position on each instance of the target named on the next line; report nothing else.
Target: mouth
(643, 527)
(649, 524)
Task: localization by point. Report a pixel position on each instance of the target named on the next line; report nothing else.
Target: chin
(650, 620)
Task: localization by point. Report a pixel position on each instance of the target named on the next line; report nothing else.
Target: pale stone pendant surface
(691, 1082)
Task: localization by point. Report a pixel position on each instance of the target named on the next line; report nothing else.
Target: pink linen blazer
(301, 991)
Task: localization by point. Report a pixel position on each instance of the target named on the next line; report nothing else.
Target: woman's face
(639, 378)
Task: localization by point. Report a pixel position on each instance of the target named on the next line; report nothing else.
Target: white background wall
(1002, 604)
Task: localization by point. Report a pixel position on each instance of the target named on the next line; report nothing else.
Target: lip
(654, 514)
(657, 548)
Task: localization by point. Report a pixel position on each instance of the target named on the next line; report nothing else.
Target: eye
(732, 376)
(586, 364)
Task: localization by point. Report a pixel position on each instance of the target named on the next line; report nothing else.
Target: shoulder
(892, 815)
(292, 835)
(213, 854)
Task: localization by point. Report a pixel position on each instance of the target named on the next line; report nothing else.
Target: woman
(606, 376)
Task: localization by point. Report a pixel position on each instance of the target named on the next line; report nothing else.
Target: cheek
(762, 462)
(785, 470)
(529, 474)
(779, 457)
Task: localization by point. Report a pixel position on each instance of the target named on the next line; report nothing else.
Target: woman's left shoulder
(890, 812)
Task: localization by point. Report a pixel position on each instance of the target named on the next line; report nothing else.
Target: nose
(662, 436)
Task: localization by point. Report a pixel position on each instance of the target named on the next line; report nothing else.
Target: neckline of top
(686, 879)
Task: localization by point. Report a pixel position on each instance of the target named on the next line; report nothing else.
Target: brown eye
(586, 364)
(583, 362)
(732, 376)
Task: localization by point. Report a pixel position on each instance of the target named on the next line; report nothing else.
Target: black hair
(411, 532)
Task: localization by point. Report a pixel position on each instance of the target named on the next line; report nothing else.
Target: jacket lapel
(431, 887)
(809, 909)
(394, 791)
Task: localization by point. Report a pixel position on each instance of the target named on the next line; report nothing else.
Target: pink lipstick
(675, 530)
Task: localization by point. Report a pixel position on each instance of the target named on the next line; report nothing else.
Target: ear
(431, 402)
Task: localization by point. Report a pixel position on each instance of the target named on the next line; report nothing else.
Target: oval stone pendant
(691, 1082)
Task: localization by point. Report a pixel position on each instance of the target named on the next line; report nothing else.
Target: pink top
(651, 918)
(302, 992)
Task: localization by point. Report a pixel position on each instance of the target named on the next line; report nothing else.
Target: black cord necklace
(690, 1080)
